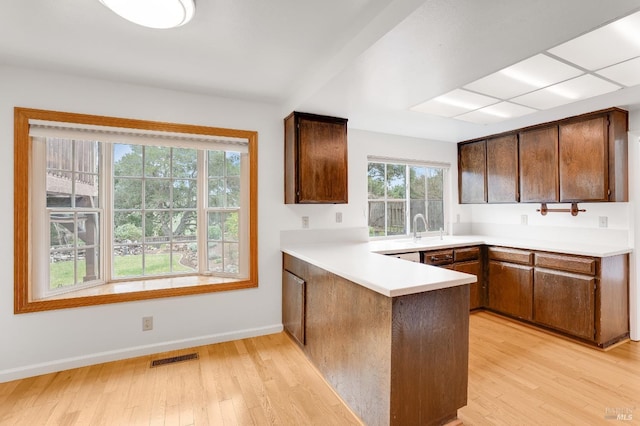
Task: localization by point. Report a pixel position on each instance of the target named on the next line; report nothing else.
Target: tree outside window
(398, 191)
(137, 208)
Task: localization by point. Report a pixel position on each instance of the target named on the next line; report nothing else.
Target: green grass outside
(61, 273)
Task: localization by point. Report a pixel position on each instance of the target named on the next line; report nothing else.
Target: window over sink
(398, 190)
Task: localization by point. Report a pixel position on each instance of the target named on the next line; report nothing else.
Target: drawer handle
(436, 258)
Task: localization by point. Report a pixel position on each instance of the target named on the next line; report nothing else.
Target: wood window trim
(21, 213)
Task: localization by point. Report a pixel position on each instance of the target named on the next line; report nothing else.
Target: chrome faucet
(416, 236)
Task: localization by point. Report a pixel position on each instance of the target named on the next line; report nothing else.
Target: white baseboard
(101, 357)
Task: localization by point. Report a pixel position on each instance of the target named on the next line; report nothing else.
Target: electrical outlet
(524, 219)
(147, 323)
(338, 217)
(603, 221)
(305, 222)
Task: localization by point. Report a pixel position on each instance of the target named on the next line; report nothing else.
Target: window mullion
(143, 211)
(41, 224)
(386, 201)
(171, 209)
(107, 203)
(202, 219)
(407, 201)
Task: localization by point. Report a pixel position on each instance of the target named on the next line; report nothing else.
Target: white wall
(41, 342)
(362, 144)
(34, 343)
(37, 343)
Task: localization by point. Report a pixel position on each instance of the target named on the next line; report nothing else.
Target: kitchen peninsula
(390, 336)
(382, 329)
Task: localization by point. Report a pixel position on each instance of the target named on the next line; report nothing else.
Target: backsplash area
(522, 220)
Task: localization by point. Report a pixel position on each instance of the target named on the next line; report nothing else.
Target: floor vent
(173, 359)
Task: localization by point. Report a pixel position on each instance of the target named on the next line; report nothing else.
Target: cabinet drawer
(439, 257)
(467, 253)
(580, 265)
(511, 255)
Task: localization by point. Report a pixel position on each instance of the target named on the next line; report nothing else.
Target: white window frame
(446, 185)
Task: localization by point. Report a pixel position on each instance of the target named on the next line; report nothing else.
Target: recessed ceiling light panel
(533, 73)
(626, 73)
(495, 113)
(564, 93)
(160, 14)
(454, 103)
(606, 46)
(567, 73)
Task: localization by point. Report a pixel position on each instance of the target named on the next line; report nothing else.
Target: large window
(110, 210)
(399, 190)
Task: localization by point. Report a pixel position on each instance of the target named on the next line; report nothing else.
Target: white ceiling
(367, 60)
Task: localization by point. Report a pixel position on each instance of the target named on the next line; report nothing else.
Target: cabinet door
(511, 289)
(502, 169)
(322, 161)
(476, 296)
(293, 305)
(539, 165)
(472, 168)
(584, 160)
(565, 302)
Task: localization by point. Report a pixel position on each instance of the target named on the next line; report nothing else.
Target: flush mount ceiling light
(161, 14)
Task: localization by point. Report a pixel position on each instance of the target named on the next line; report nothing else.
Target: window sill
(143, 285)
(136, 290)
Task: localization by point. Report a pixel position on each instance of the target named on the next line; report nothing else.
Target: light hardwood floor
(517, 376)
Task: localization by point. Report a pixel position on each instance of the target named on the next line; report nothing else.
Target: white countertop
(386, 275)
(433, 243)
(364, 262)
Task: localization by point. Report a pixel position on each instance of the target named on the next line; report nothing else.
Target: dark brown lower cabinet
(293, 305)
(583, 296)
(462, 259)
(393, 360)
(565, 301)
(476, 293)
(580, 296)
(511, 289)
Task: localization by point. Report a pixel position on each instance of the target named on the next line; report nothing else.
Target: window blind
(63, 130)
(419, 163)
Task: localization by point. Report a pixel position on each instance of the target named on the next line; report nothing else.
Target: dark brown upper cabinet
(539, 165)
(502, 169)
(472, 172)
(577, 159)
(593, 158)
(315, 157)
